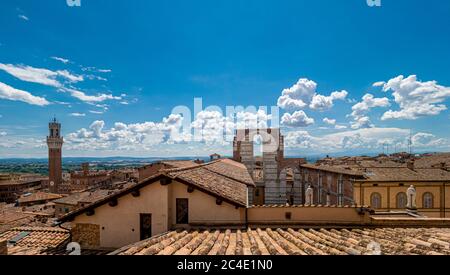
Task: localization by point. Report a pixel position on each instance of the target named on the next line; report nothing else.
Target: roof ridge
(189, 168)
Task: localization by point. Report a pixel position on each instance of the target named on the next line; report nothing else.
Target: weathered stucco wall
(120, 225)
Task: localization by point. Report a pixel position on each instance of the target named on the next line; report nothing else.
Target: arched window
(402, 200)
(375, 200)
(428, 200)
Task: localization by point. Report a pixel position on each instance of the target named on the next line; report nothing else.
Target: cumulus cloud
(362, 122)
(427, 140)
(135, 137)
(10, 93)
(415, 98)
(299, 95)
(361, 109)
(322, 103)
(252, 120)
(304, 94)
(208, 128)
(329, 121)
(368, 139)
(297, 119)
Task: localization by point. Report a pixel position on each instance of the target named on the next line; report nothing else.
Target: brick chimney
(3, 247)
(410, 165)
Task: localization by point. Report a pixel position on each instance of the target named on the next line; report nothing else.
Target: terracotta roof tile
(39, 196)
(34, 240)
(396, 241)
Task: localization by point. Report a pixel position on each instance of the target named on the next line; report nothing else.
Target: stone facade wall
(87, 235)
(275, 187)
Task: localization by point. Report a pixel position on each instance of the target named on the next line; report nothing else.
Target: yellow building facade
(432, 198)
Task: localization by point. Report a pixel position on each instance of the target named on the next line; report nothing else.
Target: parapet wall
(322, 216)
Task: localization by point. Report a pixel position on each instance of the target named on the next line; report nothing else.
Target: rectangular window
(182, 211)
(145, 226)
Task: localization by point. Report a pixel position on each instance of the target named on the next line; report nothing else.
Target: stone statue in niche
(309, 196)
(412, 194)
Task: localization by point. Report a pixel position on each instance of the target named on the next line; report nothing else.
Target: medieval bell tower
(55, 143)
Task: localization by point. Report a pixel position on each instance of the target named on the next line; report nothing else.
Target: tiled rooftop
(39, 196)
(380, 172)
(179, 163)
(295, 242)
(34, 240)
(223, 177)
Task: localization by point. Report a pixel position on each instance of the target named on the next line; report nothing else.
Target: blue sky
(111, 72)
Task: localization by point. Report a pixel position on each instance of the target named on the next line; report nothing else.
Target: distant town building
(86, 179)
(55, 143)
(37, 198)
(11, 188)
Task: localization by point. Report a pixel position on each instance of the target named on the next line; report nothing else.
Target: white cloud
(379, 84)
(39, 75)
(2, 134)
(322, 103)
(427, 140)
(95, 77)
(303, 94)
(212, 126)
(361, 109)
(297, 119)
(329, 121)
(369, 140)
(340, 127)
(128, 137)
(96, 112)
(10, 93)
(368, 102)
(299, 95)
(252, 120)
(89, 98)
(415, 98)
(362, 122)
(104, 70)
(72, 78)
(77, 114)
(23, 17)
(60, 59)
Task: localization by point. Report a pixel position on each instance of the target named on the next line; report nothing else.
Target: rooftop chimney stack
(410, 165)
